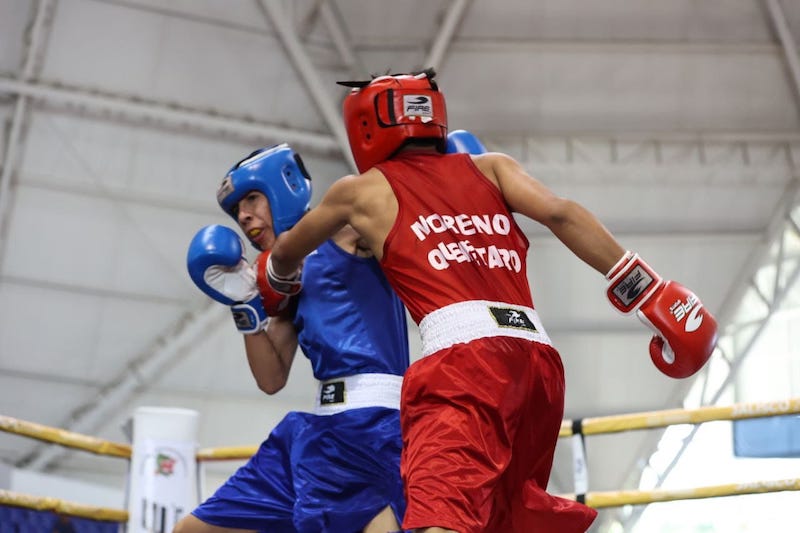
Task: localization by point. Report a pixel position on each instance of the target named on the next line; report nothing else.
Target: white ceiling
(676, 122)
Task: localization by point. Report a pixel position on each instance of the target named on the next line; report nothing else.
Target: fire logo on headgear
(417, 105)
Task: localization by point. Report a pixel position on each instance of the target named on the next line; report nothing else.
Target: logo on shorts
(332, 392)
(512, 318)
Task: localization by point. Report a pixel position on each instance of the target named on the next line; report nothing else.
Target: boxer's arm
(270, 354)
(316, 226)
(573, 224)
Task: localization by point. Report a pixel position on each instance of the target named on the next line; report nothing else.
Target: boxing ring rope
(670, 417)
(226, 453)
(39, 503)
(579, 428)
(64, 437)
(618, 498)
(569, 428)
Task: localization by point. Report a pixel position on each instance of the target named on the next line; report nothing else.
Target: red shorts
(480, 423)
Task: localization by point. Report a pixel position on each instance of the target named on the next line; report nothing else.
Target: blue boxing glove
(464, 142)
(217, 266)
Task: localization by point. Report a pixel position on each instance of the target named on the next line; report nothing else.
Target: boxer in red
(481, 412)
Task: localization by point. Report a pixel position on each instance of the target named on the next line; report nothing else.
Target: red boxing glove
(288, 285)
(274, 302)
(685, 332)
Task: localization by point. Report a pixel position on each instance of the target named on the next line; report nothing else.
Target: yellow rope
(590, 426)
(226, 453)
(619, 498)
(660, 419)
(39, 503)
(597, 500)
(64, 437)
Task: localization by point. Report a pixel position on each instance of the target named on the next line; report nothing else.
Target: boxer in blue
(336, 469)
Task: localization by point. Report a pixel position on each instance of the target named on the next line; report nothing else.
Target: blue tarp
(777, 436)
(21, 520)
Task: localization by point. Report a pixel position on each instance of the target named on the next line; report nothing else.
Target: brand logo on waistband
(512, 318)
(331, 393)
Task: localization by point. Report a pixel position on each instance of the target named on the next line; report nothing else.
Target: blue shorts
(316, 474)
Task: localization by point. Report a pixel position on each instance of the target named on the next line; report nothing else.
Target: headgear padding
(276, 172)
(383, 114)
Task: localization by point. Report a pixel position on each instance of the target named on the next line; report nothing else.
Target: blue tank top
(349, 320)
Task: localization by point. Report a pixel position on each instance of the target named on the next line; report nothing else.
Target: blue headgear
(276, 172)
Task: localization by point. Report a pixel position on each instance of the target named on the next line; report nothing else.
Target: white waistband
(475, 319)
(361, 390)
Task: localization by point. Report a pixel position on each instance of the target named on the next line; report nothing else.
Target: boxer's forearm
(316, 226)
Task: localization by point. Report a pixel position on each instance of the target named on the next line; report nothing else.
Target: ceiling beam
(338, 34)
(743, 158)
(446, 33)
(119, 195)
(11, 153)
(321, 95)
(610, 47)
(169, 116)
(788, 44)
(31, 65)
(93, 291)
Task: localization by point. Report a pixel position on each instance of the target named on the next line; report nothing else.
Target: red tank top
(454, 238)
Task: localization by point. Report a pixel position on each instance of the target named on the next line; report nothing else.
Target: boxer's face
(255, 219)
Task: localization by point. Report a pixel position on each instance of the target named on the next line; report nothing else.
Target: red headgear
(383, 114)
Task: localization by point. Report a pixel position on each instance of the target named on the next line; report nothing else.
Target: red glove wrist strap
(632, 284)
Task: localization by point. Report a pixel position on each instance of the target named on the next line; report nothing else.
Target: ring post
(162, 482)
